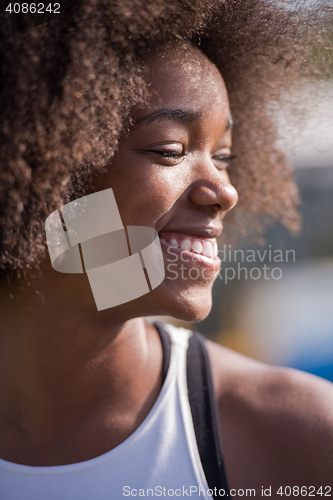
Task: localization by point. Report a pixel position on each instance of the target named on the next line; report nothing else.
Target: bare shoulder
(276, 423)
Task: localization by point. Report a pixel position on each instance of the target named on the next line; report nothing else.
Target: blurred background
(282, 314)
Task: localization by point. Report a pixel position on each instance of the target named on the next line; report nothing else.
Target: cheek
(144, 194)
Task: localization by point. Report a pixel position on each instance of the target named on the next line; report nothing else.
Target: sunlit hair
(66, 89)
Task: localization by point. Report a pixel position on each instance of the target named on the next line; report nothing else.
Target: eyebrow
(171, 114)
(176, 114)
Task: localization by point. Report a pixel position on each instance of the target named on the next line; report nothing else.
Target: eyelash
(168, 154)
(176, 155)
(225, 158)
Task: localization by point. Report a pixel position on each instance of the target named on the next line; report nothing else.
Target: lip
(203, 232)
(186, 256)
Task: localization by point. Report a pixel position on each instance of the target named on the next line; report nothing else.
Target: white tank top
(160, 458)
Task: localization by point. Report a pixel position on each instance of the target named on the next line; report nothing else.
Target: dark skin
(75, 383)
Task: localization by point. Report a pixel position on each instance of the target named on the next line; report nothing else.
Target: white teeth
(215, 249)
(207, 249)
(186, 244)
(197, 247)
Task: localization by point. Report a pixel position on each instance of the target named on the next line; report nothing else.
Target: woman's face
(170, 173)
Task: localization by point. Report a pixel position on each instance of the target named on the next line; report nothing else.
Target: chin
(192, 315)
(191, 304)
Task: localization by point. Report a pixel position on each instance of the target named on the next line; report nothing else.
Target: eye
(223, 158)
(168, 153)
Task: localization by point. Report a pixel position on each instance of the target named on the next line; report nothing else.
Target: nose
(212, 188)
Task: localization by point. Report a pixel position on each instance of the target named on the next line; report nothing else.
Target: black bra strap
(205, 415)
(203, 407)
(166, 346)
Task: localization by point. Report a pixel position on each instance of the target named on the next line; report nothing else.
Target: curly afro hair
(66, 89)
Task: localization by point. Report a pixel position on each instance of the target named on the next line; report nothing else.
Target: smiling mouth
(206, 247)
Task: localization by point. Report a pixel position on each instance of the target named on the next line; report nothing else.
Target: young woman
(102, 404)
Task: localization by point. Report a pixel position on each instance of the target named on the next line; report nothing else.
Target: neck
(65, 370)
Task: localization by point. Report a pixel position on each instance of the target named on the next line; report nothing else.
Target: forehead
(183, 77)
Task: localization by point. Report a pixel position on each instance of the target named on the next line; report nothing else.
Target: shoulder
(276, 423)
